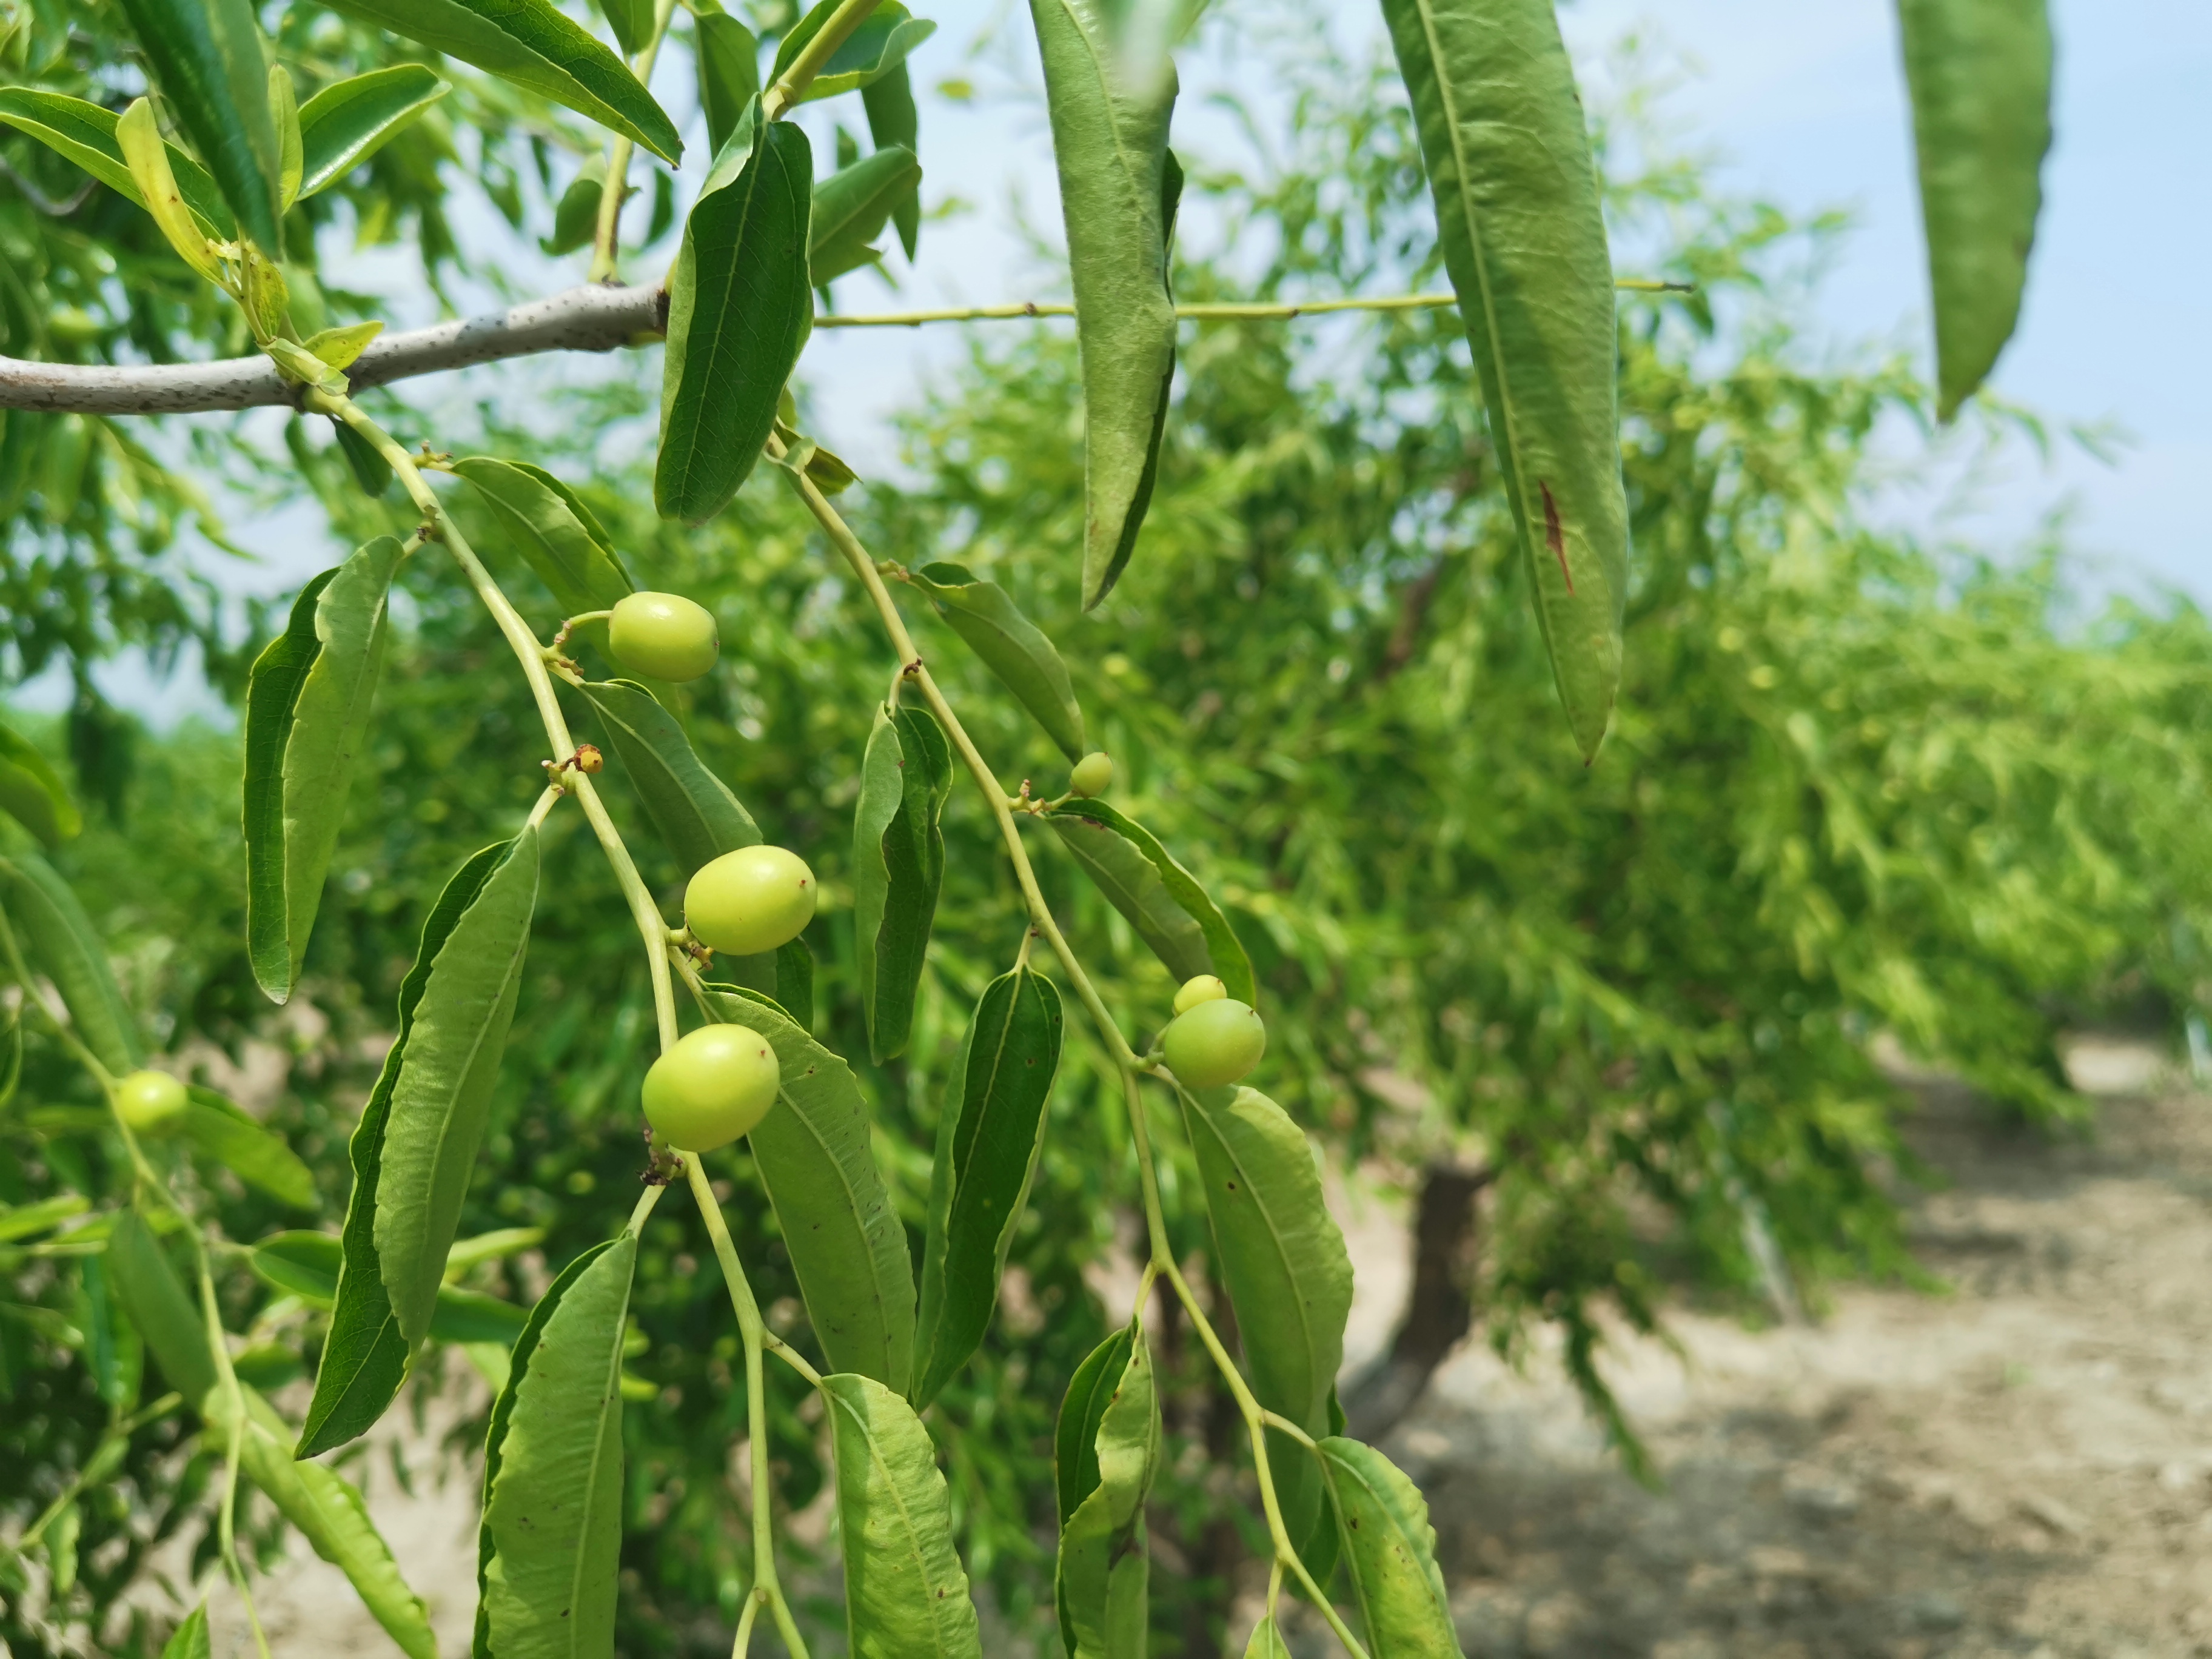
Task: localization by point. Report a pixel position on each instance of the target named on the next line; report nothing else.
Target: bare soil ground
(2022, 1466)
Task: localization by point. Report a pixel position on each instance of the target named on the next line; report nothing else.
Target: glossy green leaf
(846, 1244)
(851, 207)
(740, 306)
(987, 1142)
(306, 714)
(306, 1265)
(1105, 1567)
(1075, 1435)
(898, 864)
(553, 1478)
(442, 1095)
(1112, 93)
(1979, 72)
(576, 217)
(728, 56)
(1390, 1552)
(893, 119)
(348, 121)
(794, 981)
(1267, 1641)
(557, 536)
(531, 44)
(1162, 901)
(284, 109)
(631, 20)
(365, 1356)
(29, 1220)
(167, 1316)
(1282, 1259)
(208, 59)
(190, 1639)
(1517, 216)
(257, 1156)
(1012, 647)
(114, 1352)
(905, 1594)
(57, 935)
(872, 51)
(696, 816)
(32, 793)
(369, 468)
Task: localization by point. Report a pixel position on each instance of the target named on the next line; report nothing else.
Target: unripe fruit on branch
(755, 899)
(150, 1102)
(712, 1086)
(1093, 774)
(1202, 987)
(663, 636)
(1215, 1042)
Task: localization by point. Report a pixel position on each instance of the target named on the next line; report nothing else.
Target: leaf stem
(606, 237)
(792, 84)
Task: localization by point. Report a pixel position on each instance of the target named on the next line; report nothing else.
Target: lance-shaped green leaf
(1517, 217)
(531, 44)
(551, 1540)
(306, 713)
(443, 1092)
(85, 133)
(190, 1639)
(905, 1594)
(794, 981)
(1979, 72)
(846, 1244)
(1104, 1568)
(631, 20)
(557, 536)
(207, 58)
(1075, 1434)
(898, 864)
(872, 51)
(728, 56)
(1390, 1552)
(348, 121)
(576, 217)
(306, 1265)
(54, 931)
(365, 1355)
(32, 793)
(987, 1143)
(29, 1220)
(1162, 901)
(1110, 93)
(255, 1154)
(1267, 1641)
(740, 304)
(851, 207)
(1282, 1259)
(113, 1352)
(893, 119)
(155, 1299)
(1012, 646)
(693, 810)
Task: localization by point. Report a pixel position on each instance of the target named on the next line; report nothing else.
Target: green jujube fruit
(1199, 987)
(150, 1102)
(753, 900)
(663, 636)
(1093, 774)
(1217, 1041)
(714, 1086)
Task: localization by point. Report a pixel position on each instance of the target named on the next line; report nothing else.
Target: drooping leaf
(851, 207)
(898, 864)
(190, 1639)
(557, 536)
(696, 816)
(442, 1094)
(256, 1155)
(905, 1594)
(32, 793)
(728, 56)
(1075, 1435)
(306, 713)
(167, 1316)
(1011, 646)
(348, 121)
(872, 51)
(893, 119)
(1110, 92)
(57, 936)
(1517, 217)
(631, 20)
(576, 217)
(1979, 72)
(740, 304)
(366, 462)
(530, 43)
(1162, 901)
(284, 109)
(1390, 1552)
(306, 1265)
(846, 1244)
(114, 1351)
(553, 1476)
(1104, 1569)
(207, 58)
(138, 134)
(365, 1356)
(84, 133)
(1267, 1641)
(987, 1143)
(1282, 1259)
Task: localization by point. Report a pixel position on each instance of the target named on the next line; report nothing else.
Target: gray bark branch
(589, 319)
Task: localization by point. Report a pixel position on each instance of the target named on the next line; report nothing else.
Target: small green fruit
(1217, 1041)
(1093, 774)
(150, 1102)
(712, 1086)
(755, 899)
(1205, 988)
(663, 636)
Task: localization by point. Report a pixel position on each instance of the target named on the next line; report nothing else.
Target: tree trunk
(1440, 1312)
